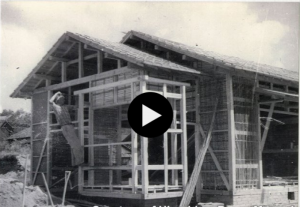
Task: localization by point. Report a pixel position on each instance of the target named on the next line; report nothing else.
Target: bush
(21, 147)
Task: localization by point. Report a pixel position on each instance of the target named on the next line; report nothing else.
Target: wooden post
(166, 177)
(80, 60)
(260, 169)
(183, 137)
(197, 136)
(31, 144)
(80, 136)
(174, 157)
(119, 148)
(49, 145)
(99, 62)
(145, 176)
(134, 150)
(91, 173)
(63, 72)
(231, 133)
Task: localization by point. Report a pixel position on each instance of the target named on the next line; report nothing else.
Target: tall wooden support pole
(134, 151)
(63, 72)
(145, 172)
(260, 169)
(174, 157)
(166, 177)
(31, 144)
(80, 60)
(144, 152)
(91, 176)
(119, 148)
(231, 134)
(197, 136)
(99, 62)
(81, 137)
(48, 135)
(183, 137)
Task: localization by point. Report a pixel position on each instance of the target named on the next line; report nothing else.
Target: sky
(262, 32)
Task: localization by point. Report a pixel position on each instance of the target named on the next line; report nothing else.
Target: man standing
(64, 120)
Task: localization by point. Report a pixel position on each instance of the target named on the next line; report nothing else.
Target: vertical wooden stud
(63, 72)
(80, 60)
(99, 62)
(81, 137)
(231, 133)
(197, 136)
(91, 173)
(145, 171)
(183, 137)
(260, 169)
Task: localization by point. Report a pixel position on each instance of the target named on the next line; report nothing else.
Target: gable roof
(116, 49)
(25, 133)
(3, 119)
(217, 59)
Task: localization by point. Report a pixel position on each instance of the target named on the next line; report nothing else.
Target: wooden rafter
(58, 59)
(46, 77)
(286, 96)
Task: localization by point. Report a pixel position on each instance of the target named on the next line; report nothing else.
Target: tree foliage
(17, 119)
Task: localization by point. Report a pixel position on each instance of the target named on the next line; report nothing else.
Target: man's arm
(51, 101)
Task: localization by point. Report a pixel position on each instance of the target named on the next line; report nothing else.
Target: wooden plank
(183, 137)
(161, 167)
(80, 60)
(108, 85)
(84, 79)
(108, 144)
(168, 82)
(188, 192)
(286, 96)
(99, 62)
(266, 127)
(48, 191)
(231, 133)
(165, 144)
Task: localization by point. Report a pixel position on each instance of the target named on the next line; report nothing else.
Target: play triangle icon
(148, 115)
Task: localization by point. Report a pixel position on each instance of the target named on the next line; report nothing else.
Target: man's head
(60, 100)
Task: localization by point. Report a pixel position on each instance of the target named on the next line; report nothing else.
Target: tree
(18, 120)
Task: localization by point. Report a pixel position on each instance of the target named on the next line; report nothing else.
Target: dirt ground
(11, 182)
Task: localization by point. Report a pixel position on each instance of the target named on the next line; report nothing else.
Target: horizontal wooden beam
(58, 59)
(46, 77)
(85, 58)
(87, 47)
(280, 112)
(84, 79)
(25, 94)
(185, 57)
(271, 101)
(109, 85)
(286, 96)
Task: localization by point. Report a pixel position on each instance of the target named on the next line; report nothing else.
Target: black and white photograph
(149, 104)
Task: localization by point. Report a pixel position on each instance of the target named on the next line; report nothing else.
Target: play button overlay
(150, 114)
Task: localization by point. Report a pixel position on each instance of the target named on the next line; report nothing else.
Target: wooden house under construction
(252, 158)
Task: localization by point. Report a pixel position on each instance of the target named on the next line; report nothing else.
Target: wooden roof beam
(185, 57)
(85, 58)
(46, 77)
(58, 59)
(286, 96)
(109, 56)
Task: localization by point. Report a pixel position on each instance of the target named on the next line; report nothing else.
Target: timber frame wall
(236, 148)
